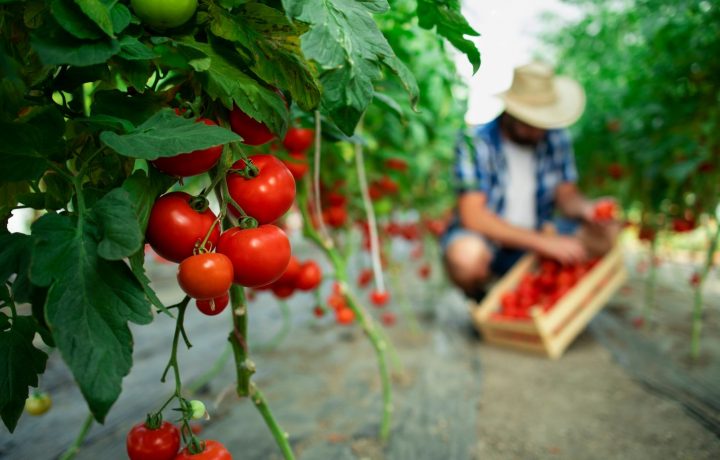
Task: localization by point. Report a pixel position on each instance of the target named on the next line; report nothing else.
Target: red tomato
(205, 276)
(193, 163)
(344, 316)
(213, 451)
(299, 139)
(309, 277)
(252, 131)
(212, 307)
(267, 196)
(695, 279)
(175, 227)
(424, 271)
(364, 278)
(509, 301)
(604, 210)
(375, 192)
(336, 199)
(379, 299)
(396, 164)
(259, 255)
(388, 318)
(336, 301)
(335, 216)
(319, 311)
(616, 171)
(388, 185)
(159, 444)
(297, 165)
(282, 291)
(682, 225)
(290, 275)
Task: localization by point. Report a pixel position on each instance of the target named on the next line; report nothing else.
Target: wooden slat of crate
(549, 323)
(532, 343)
(492, 299)
(560, 341)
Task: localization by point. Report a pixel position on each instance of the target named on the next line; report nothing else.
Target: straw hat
(540, 98)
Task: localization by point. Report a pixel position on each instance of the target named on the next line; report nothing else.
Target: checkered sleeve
(471, 165)
(564, 155)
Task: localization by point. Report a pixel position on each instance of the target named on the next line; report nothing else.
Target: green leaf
(21, 363)
(120, 15)
(88, 307)
(133, 49)
(143, 189)
(28, 143)
(107, 122)
(224, 81)
(135, 72)
(10, 193)
(133, 107)
(446, 15)
(165, 134)
(273, 46)
(73, 77)
(346, 43)
(115, 217)
(99, 13)
(69, 16)
(54, 46)
(15, 257)
(137, 262)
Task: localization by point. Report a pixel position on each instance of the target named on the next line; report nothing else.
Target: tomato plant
(193, 163)
(259, 255)
(210, 450)
(205, 276)
(212, 307)
(38, 403)
(299, 139)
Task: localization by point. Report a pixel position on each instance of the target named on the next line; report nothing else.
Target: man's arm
(572, 203)
(474, 215)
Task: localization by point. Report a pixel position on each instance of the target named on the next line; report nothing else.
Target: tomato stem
(75, 446)
(316, 181)
(281, 438)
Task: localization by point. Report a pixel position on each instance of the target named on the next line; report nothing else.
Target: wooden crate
(550, 332)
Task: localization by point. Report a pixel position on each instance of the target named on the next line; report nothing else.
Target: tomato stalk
(75, 446)
(316, 182)
(380, 344)
(281, 437)
(238, 339)
(698, 304)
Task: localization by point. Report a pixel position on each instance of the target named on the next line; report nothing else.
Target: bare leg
(467, 261)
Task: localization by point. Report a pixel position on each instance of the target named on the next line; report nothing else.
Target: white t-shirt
(521, 185)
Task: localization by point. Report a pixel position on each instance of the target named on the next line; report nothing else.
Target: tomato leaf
(273, 48)
(133, 49)
(143, 189)
(137, 265)
(164, 135)
(71, 18)
(55, 46)
(23, 363)
(115, 216)
(224, 81)
(88, 306)
(348, 46)
(447, 17)
(99, 13)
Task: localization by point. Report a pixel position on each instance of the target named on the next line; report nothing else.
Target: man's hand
(567, 250)
(602, 212)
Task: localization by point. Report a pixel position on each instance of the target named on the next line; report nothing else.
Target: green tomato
(164, 14)
(198, 409)
(383, 206)
(38, 403)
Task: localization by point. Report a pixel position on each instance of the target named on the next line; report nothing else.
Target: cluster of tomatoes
(296, 143)
(542, 289)
(298, 276)
(162, 442)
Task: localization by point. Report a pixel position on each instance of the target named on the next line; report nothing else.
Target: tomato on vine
(153, 443)
(252, 131)
(175, 227)
(297, 165)
(309, 276)
(163, 14)
(193, 163)
(211, 450)
(379, 299)
(259, 255)
(38, 403)
(205, 276)
(268, 195)
(344, 316)
(212, 307)
(299, 139)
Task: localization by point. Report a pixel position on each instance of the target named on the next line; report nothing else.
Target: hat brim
(566, 110)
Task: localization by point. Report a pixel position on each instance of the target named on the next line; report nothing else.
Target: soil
(455, 396)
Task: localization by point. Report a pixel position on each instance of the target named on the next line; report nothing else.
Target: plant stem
(75, 446)
(316, 181)
(281, 437)
(698, 306)
(238, 339)
(378, 342)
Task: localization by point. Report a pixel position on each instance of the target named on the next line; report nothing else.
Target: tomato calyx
(246, 222)
(199, 203)
(154, 421)
(249, 171)
(196, 446)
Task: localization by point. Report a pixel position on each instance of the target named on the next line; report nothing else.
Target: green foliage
(652, 113)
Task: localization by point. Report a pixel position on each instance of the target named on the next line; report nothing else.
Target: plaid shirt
(480, 165)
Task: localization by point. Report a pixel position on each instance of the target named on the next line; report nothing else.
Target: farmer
(515, 174)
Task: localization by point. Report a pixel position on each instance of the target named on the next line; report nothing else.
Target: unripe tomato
(267, 196)
(259, 255)
(198, 409)
(205, 276)
(212, 307)
(193, 163)
(174, 227)
(38, 403)
(164, 14)
(252, 131)
(309, 276)
(299, 139)
(213, 450)
(144, 443)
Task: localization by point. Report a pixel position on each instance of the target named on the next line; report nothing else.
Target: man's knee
(468, 260)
